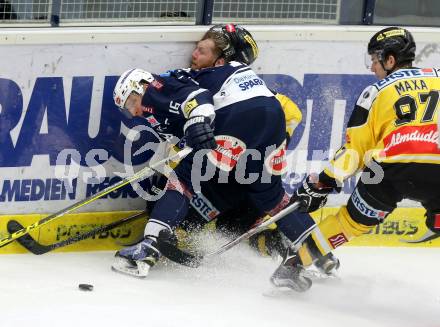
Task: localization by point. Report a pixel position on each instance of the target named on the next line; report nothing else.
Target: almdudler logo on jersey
(228, 151)
(275, 162)
(411, 140)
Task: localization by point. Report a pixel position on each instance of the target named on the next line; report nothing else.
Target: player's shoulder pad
(367, 97)
(359, 116)
(174, 80)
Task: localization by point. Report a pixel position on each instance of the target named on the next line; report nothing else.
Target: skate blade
(298, 287)
(277, 292)
(122, 266)
(316, 275)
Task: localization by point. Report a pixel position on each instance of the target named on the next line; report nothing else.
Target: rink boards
(405, 224)
(62, 139)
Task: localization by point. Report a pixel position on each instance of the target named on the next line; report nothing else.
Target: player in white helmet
(177, 107)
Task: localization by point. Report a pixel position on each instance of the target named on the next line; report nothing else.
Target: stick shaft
(37, 248)
(136, 177)
(254, 230)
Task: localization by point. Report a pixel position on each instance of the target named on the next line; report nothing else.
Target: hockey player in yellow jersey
(392, 137)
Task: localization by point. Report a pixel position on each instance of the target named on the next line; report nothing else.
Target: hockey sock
(330, 233)
(171, 208)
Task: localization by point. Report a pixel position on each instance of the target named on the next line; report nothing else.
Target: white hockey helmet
(129, 82)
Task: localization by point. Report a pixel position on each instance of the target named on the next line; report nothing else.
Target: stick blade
(26, 240)
(173, 253)
(428, 236)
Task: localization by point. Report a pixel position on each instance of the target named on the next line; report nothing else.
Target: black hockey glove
(311, 196)
(199, 134)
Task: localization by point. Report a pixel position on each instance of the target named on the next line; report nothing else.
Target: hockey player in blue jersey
(219, 45)
(178, 107)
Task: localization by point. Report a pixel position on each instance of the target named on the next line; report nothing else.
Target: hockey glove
(199, 134)
(312, 195)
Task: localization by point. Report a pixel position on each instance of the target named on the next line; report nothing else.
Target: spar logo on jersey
(247, 80)
(337, 240)
(250, 84)
(229, 150)
(365, 209)
(275, 162)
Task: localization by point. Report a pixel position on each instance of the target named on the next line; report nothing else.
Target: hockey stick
(143, 173)
(170, 250)
(33, 246)
(428, 236)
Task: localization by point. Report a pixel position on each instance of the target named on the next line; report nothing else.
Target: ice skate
(291, 274)
(136, 260)
(328, 264)
(323, 268)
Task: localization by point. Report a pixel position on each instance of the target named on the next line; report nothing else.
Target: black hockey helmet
(239, 46)
(396, 41)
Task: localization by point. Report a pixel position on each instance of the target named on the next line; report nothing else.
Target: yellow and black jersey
(291, 112)
(394, 121)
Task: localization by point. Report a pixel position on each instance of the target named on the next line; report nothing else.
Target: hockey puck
(85, 287)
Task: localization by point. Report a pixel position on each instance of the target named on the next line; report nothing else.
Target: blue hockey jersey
(171, 99)
(231, 84)
(250, 132)
(247, 118)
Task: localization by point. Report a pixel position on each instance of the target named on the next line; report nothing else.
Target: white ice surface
(376, 287)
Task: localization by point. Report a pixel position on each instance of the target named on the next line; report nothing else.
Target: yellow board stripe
(79, 223)
(402, 224)
(137, 176)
